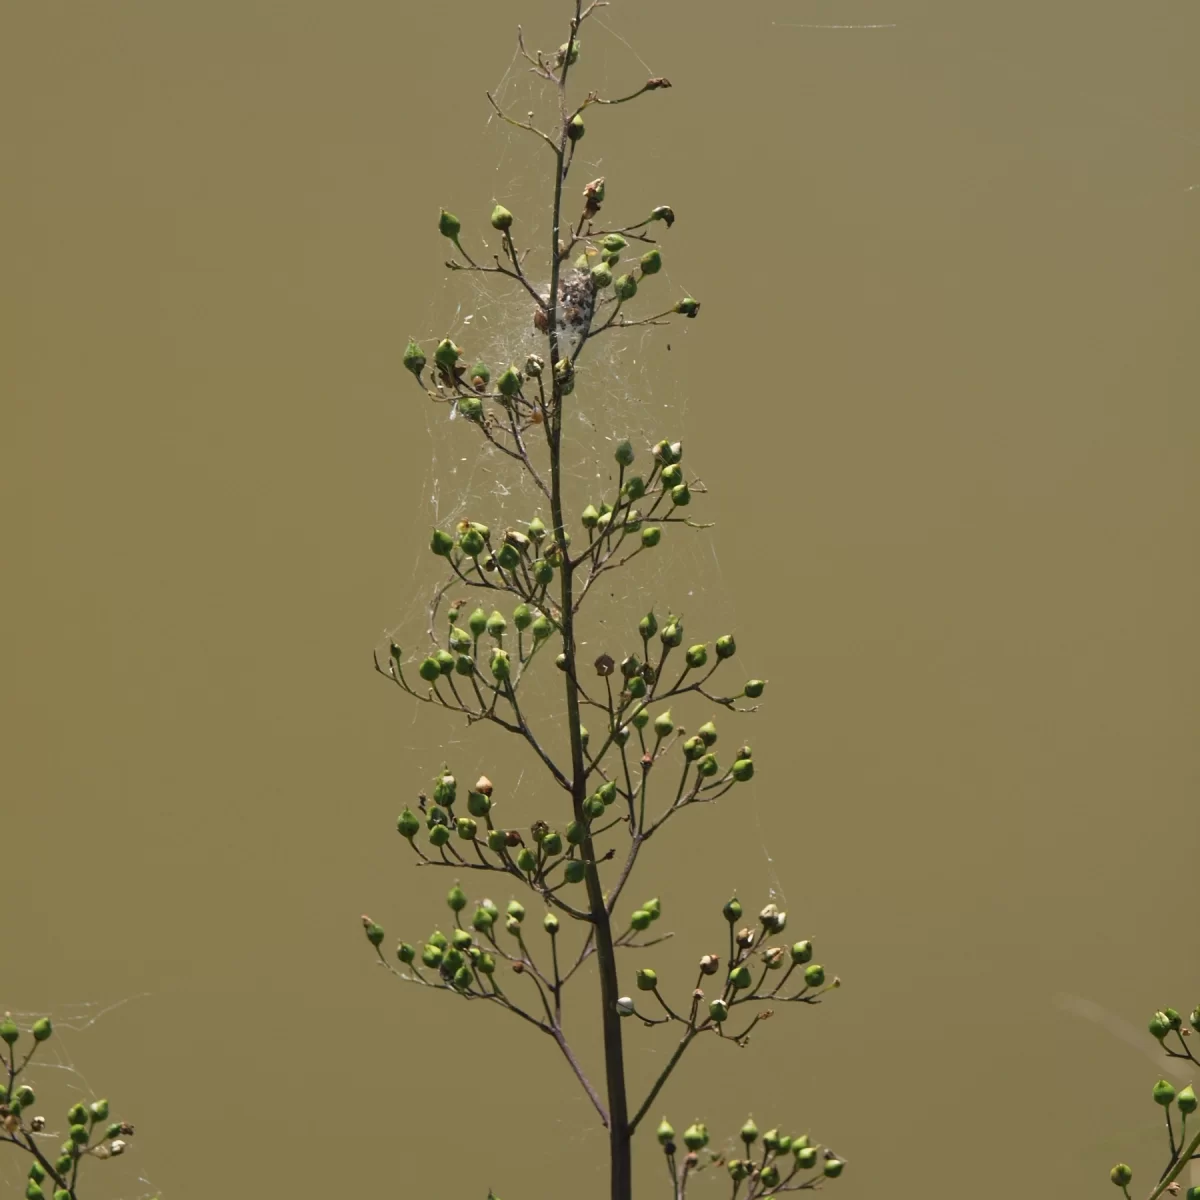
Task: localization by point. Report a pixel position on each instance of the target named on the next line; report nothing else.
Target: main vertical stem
(621, 1163)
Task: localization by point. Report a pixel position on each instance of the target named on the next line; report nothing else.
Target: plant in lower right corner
(90, 1132)
(1178, 1106)
(568, 856)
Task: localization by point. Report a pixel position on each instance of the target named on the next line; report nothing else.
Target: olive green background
(943, 391)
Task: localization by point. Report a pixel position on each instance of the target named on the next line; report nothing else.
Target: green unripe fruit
(806, 1157)
(640, 920)
(486, 963)
(1186, 1100)
(743, 770)
(448, 225)
(516, 910)
(466, 828)
(653, 907)
(672, 634)
(461, 939)
(526, 859)
(79, 1135)
(478, 805)
(483, 920)
(543, 572)
(542, 628)
(509, 383)
(406, 952)
(740, 977)
(664, 1132)
(1160, 1025)
(552, 843)
(447, 354)
(522, 617)
(634, 488)
(607, 792)
(574, 871)
(62, 1165)
(502, 219)
(408, 823)
(25, 1095)
(453, 960)
(444, 660)
(590, 516)
(681, 495)
(737, 1169)
(647, 980)
(651, 262)
(374, 932)
(496, 624)
(550, 924)
(624, 453)
(441, 543)
(98, 1110)
(496, 840)
(1172, 1015)
(445, 789)
(707, 733)
(814, 976)
(1121, 1175)
(501, 667)
(802, 952)
(695, 1137)
(769, 1175)
(693, 748)
(708, 766)
(42, 1029)
(33, 1191)
(464, 665)
(726, 647)
(583, 736)
(754, 688)
(489, 906)
(636, 687)
(576, 832)
(626, 287)
(1194, 1018)
(508, 556)
(613, 243)
(460, 640)
(481, 375)
(718, 1011)
(648, 626)
(1164, 1093)
(668, 453)
(640, 719)
(800, 1143)
(439, 939)
(593, 806)
(456, 898)
(463, 978)
(651, 536)
(785, 1144)
(687, 307)
(537, 529)
(671, 476)
(575, 128)
(477, 622)
(471, 408)
(833, 1167)
(471, 542)
(602, 276)
(429, 670)
(732, 910)
(36, 1171)
(771, 1140)
(663, 725)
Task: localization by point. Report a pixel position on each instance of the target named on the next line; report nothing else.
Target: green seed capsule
(1186, 1100)
(593, 806)
(439, 939)
(740, 977)
(574, 871)
(463, 978)
(647, 980)
(833, 1167)
(502, 219)
(707, 733)
(806, 1157)
(42, 1029)
(602, 276)
(663, 725)
(671, 476)
(576, 832)
(526, 859)
(441, 543)
(613, 243)
(640, 920)
(552, 844)
(496, 624)
(414, 360)
(651, 536)
(453, 959)
(543, 572)
(522, 617)
(466, 828)
(664, 1132)
(483, 920)
(653, 907)
(575, 128)
(636, 687)
(79, 1135)
(477, 622)
(501, 666)
(695, 1137)
(496, 840)
(814, 976)
(718, 1011)
(648, 626)
(802, 952)
(471, 542)
(406, 952)
(769, 1175)
(732, 910)
(408, 824)
(550, 924)
(447, 354)
(98, 1110)
(687, 307)
(624, 453)
(607, 792)
(743, 770)
(1160, 1025)
(508, 556)
(478, 805)
(708, 766)
(509, 383)
(1121, 1175)
(448, 225)
(681, 495)
(626, 287)
(754, 688)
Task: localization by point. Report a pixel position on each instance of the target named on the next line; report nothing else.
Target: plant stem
(621, 1175)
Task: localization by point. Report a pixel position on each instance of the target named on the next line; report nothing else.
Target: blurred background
(943, 394)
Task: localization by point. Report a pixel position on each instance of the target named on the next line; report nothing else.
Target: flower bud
(743, 770)
(732, 910)
(718, 1011)
(625, 287)
(42, 1029)
(550, 924)
(574, 871)
(695, 1136)
(651, 262)
(647, 980)
(833, 1167)
(814, 976)
(687, 306)
(1186, 1100)
(1121, 1175)
(754, 688)
(466, 828)
(625, 1007)
(509, 383)
(740, 977)
(502, 219)
(448, 225)
(665, 1133)
(456, 898)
